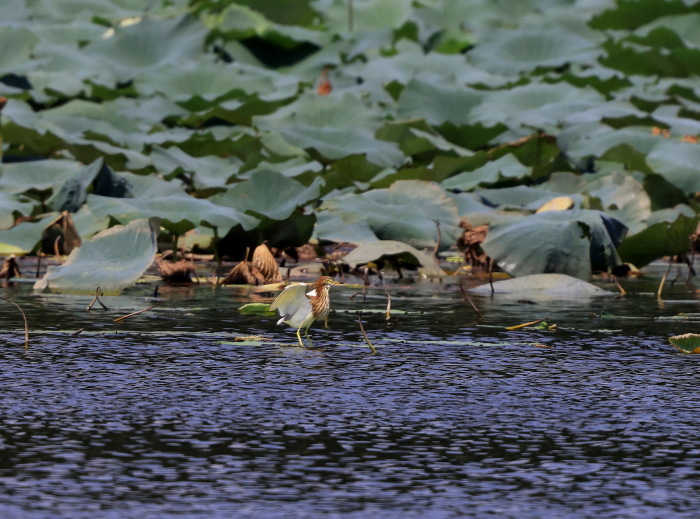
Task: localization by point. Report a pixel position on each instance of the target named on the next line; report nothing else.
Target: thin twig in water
(619, 286)
(663, 279)
(439, 237)
(491, 275)
(118, 319)
(469, 299)
(362, 329)
(96, 299)
(78, 332)
(388, 304)
(26, 325)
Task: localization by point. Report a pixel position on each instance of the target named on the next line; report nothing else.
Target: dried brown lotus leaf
(265, 263)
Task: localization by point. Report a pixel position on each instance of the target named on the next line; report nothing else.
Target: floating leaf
(543, 285)
(112, 260)
(686, 343)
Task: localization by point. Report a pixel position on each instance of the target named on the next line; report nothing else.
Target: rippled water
(164, 415)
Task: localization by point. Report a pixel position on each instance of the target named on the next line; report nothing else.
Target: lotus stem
(663, 279)
(469, 299)
(26, 325)
(364, 334)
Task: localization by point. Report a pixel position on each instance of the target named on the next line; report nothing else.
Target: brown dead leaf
(471, 241)
(3, 102)
(244, 274)
(10, 268)
(61, 236)
(177, 272)
(265, 263)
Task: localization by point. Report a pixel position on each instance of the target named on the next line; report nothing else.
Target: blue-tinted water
(164, 415)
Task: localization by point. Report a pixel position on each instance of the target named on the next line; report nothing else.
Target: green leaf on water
(686, 343)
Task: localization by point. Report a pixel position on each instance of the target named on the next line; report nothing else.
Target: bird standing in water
(300, 308)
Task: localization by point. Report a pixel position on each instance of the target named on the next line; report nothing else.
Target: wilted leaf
(265, 262)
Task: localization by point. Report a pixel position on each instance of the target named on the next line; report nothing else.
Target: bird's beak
(332, 282)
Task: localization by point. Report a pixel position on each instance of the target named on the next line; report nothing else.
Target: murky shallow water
(164, 415)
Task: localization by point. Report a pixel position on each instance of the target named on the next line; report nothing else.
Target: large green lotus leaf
(573, 242)
(16, 44)
(367, 252)
(345, 228)
(147, 186)
(85, 127)
(668, 233)
(595, 139)
(677, 162)
(73, 192)
(179, 213)
(270, 194)
(505, 168)
(11, 204)
(630, 14)
(87, 224)
(335, 126)
(671, 117)
(535, 104)
(413, 63)
(206, 172)
(438, 103)
(511, 52)
(685, 26)
(148, 45)
(215, 82)
(519, 197)
(407, 211)
(241, 22)
(23, 237)
(366, 15)
(618, 193)
(112, 260)
(37, 175)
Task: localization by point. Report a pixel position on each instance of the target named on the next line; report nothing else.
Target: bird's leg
(299, 336)
(325, 323)
(311, 344)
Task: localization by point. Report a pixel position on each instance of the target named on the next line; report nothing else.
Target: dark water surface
(164, 415)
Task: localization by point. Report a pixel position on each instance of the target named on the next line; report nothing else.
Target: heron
(299, 308)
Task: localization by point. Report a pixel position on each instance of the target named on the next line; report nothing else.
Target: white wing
(293, 305)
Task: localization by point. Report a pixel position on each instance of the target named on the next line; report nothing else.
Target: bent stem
(364, 334)
(26, 325)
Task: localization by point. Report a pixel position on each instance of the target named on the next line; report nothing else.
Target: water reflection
(454, 417)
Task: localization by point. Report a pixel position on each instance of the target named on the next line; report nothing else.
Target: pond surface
(165, 415)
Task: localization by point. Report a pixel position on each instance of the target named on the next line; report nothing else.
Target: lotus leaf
(668, 233)
(270, 194)
(552, 286)
(686, 343)
(149, 45)
(439, 103)
(677, 162)
(23, 237)
(505, 168)
(511, 52)
(179, 213)
(334, 126)
(112, 260)
(573, 242)
(408, 211)
(373, 251)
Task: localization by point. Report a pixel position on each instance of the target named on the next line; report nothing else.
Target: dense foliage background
(357, 121)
